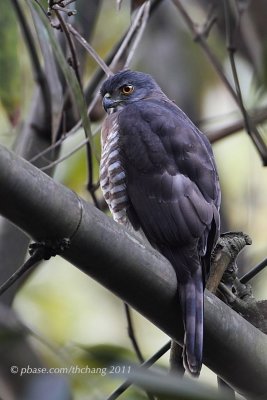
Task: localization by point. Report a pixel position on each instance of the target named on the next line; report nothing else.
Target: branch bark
(116, 258)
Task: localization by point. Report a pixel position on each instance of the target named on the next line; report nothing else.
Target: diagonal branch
(259, 116)
(233, 348)
(74, 60)
(148, 363)
(90, 50)
(141, 27)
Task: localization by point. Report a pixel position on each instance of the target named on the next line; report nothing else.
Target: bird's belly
(113, 179)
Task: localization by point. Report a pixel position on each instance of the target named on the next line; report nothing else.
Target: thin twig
(90, 50)
(43, 250)
(63, 158)
(251, 130)
(258, 268)
(48, 149)
(60, 5)
(42, 8)
(132, 337)
(35, 258)
(67, 2)
(74, 58)
(152, 360)
(59, 141)
(131, 333)
(258, 116)
(135, 25)
(137, 350)
(201, 40)
(140, 30)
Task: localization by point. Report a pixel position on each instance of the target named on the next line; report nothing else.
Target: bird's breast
(112, 173)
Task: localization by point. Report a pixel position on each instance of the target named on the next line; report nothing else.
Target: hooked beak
(109, 103)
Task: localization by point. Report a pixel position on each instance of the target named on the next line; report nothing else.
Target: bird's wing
(172, 182)
(174, 194)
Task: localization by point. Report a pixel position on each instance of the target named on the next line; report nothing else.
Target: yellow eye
(127, 89)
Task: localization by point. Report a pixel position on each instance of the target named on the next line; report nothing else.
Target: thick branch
(233, 348)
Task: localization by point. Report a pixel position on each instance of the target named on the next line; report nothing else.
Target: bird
(158, 174)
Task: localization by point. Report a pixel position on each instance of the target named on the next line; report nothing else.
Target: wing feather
(173, 194)
(172, 181)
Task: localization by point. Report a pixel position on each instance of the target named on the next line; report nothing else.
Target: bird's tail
(191, 298)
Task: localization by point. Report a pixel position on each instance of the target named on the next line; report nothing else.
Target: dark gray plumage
(158, 172)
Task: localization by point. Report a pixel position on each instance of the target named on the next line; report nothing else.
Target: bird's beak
(107, 102)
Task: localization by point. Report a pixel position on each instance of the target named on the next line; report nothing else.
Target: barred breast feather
(112, 174)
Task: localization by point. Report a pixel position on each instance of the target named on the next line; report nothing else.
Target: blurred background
(73, 320)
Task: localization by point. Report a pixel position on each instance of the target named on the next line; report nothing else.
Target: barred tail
(191, 297)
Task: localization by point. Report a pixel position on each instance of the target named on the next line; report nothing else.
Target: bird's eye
(127, 89)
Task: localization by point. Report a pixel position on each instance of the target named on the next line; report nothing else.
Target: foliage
(10, 83)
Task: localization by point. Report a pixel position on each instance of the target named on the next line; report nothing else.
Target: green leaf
(69, 74)
(10, 74)
(51, 72)
(106, 355)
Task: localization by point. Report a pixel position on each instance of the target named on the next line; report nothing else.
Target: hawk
(158, 173)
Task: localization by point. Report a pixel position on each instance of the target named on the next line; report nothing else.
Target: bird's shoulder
(156, 136)
(159, 123)
(171, 175)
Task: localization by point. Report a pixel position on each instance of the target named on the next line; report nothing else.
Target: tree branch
(140, 276)
(258, 116)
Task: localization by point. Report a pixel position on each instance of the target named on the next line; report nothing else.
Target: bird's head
(126, 87)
